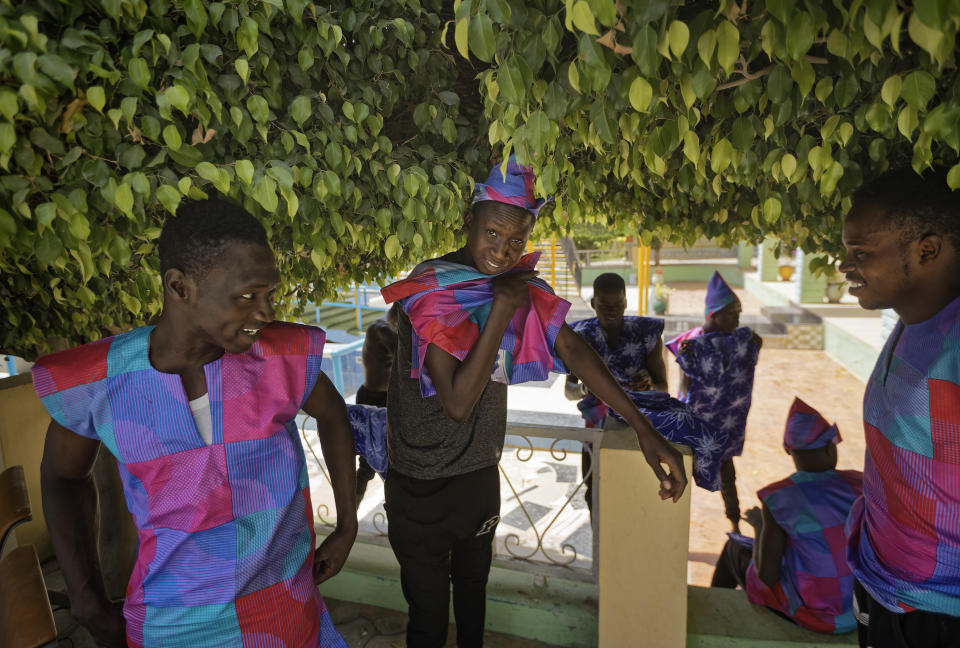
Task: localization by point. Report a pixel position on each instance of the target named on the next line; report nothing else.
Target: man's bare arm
(336, 440)
(581, 359)
(656, 368)
(72, 510)
(768, 549)
(460, 384)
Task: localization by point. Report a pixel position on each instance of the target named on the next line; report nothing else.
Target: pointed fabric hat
(806, 429)
(719, 295)
(516, 188)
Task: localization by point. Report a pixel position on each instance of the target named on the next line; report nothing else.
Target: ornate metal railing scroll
(540, 447)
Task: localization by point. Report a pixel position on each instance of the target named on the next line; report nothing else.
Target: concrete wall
(643, 549)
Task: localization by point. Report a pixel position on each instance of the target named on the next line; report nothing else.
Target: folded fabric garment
(369, 426)
(448, 305)
(677, 423)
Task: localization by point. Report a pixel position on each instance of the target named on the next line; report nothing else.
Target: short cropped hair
(915, 204)
(609, 283)
(194, 239)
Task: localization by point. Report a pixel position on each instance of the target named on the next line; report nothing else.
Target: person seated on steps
(797, 566)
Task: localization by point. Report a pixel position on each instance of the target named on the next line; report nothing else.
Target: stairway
(554, 267)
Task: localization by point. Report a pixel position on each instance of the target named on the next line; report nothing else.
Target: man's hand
(106, 625)
(754, 518)
(657, 451)
(513, 289)
(332, 553)
(686, 348)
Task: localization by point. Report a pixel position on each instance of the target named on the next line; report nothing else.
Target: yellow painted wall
(643, 549)
(23, 428)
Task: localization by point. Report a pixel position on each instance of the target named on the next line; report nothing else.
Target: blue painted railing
(344, 366)
(11, 366)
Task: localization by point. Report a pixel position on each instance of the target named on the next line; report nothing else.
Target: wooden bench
(26, 620)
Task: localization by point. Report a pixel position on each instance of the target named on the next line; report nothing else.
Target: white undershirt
(200, 407)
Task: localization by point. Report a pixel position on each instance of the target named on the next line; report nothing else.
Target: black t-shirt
(422, 440)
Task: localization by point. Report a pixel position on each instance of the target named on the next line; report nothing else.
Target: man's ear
(467, 219)
(930, 247)
(592, 305)
(177, 286)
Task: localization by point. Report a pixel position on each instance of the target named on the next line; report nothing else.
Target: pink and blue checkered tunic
(226, 537)
(816, 584)
(448, 305)
(905, 531)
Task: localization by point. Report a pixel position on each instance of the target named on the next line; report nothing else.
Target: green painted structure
(811, 289)
(672, 273)
(767, 262)
(723, 618)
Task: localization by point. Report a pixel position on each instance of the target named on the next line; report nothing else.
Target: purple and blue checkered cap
(514, 188)
(719, 295)
(806, 429)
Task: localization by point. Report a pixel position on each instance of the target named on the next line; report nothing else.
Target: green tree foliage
(690, 119)
(346, 127)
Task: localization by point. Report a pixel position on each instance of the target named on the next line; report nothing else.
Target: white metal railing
(545, 527)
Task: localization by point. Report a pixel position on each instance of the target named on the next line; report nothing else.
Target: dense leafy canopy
(689, 119)
(352, 128)
(345, 127)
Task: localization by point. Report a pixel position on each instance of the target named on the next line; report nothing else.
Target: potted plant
(661, 293)
(836, 285)
(785, 264)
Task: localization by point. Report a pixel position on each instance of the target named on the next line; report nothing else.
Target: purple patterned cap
(806, 429)
(514, 189)
(719, 295)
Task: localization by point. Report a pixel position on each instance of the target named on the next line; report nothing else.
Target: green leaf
(265, 193)
(58, 69)
(573, 76)
(890, 91)
(79, 226)
(97, 98)
(483, 43)
(259, 109)
(641, 93)
(391, 247)
(678, 34)
(123, 199)
(788, 164)
(178, 98)
(242, 66)
(802, 73)
(706, 44)
(771, 210)
(172, 138)
(393, 173)
(196, 16)
(728, 45)
(645, 51)
(918, 88)
(801, 32)
(461, 37)
(953, 177)
(583, 19)
(207, 171)
(248, 36)
(907, 121)
(721, 156)
(169, 197)
(411, 184)
(300, 109)
(8, 104)
(244, 170)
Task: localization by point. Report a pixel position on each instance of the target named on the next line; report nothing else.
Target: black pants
(441, 531)
(732, 566)
(878, 627)
(364, 474)
(728, 491)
